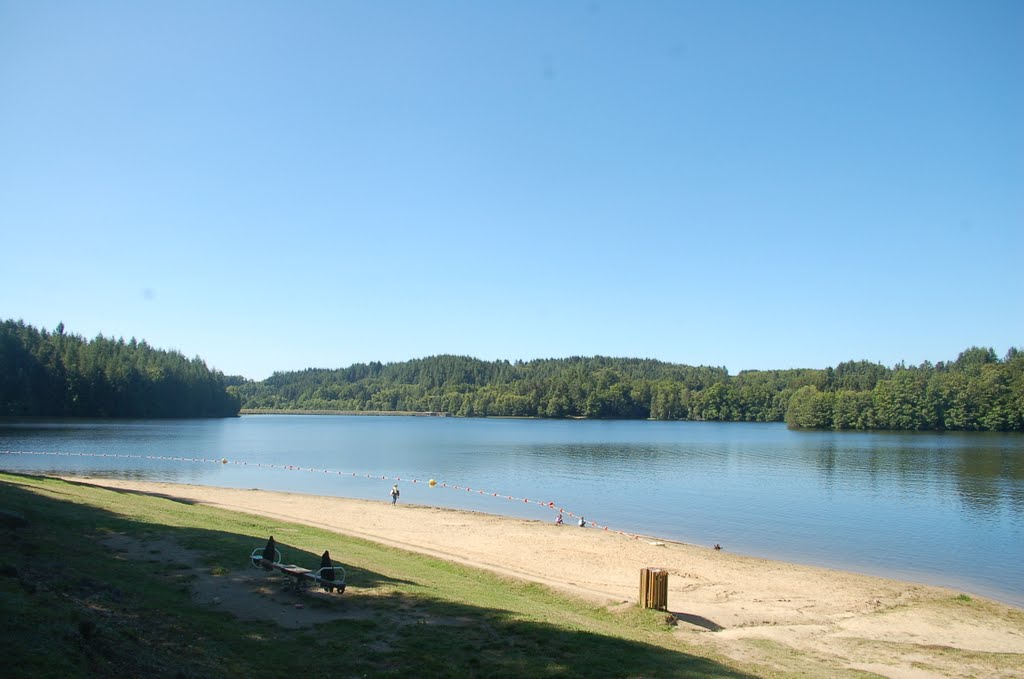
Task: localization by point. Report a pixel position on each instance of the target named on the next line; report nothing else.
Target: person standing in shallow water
(394, 494)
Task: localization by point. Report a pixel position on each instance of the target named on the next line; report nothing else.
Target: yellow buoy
(432, 483)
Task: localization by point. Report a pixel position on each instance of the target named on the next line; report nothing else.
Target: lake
(944, 509)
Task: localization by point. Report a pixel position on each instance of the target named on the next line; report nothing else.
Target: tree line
(978, 391)
(56, 374)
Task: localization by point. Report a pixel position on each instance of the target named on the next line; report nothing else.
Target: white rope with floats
(289, 467)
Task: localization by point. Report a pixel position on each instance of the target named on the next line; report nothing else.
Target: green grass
(72, 610)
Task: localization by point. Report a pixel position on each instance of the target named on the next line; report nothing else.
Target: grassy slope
(72, 610)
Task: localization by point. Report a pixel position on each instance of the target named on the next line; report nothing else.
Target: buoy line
(433, 483)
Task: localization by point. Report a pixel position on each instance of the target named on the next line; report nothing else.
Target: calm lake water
(945, 509)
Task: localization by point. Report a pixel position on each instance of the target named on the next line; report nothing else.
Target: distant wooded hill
(60, 375)
(54, 374)
(978, 391)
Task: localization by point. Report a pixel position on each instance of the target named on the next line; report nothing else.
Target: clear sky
(284, 185)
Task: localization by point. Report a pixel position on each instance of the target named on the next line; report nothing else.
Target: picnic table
(329, 576)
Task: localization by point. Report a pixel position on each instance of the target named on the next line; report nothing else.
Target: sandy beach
(785, 617)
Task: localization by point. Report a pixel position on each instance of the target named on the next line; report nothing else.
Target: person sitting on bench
(326, 567)
(269, 555)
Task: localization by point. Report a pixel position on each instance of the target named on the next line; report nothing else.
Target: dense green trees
(60, 375)
(976, 392)
(595, 387)
(55, 374)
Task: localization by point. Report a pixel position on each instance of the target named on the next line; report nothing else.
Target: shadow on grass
(77, 612)
(132, 491)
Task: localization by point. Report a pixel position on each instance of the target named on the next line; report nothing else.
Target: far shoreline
(442, 413)
(412, 413)
(379, 413)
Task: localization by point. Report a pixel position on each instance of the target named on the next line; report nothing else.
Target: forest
(55, 374)
(978, 391)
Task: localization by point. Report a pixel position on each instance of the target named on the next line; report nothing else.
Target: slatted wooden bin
(654, 588)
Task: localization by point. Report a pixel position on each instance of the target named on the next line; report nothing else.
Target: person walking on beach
(394, 494)
(583, 522)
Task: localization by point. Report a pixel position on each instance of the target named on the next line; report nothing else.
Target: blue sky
(282, 185)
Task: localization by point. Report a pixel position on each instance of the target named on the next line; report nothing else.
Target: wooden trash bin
(654, 588)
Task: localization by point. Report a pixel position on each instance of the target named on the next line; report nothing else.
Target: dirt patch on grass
(246, 593)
